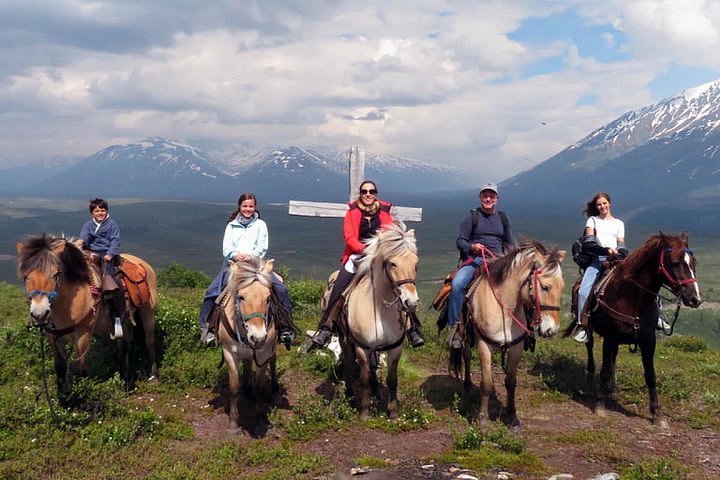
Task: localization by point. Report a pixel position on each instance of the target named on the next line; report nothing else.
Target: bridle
(674, 282)
(396, 284)
(534, 286)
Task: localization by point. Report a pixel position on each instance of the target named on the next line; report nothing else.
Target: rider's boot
(413, 333)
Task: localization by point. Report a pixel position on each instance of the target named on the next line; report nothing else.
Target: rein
(674, 285)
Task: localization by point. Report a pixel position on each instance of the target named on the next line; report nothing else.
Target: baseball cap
(489, 186)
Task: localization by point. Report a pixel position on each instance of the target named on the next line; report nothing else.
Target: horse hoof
(364, 416)
(232, 431)
(393, 415)
(661, 423)
(600, 412)
(515, 427)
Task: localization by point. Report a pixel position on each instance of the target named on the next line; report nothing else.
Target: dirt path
(548, 428)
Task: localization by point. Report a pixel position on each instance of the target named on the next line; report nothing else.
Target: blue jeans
(460, 282)
(586, 285)
(219, 282)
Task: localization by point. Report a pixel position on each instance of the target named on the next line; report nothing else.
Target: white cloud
(434, 80)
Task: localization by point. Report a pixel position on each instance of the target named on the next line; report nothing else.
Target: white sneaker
(580, 334)
(663, 325)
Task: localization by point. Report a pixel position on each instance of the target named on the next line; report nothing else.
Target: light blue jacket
(250, 239)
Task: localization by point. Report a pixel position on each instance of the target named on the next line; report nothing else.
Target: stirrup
(455, 338)
(580, 334)
(663, 325)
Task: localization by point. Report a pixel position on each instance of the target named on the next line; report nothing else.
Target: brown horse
(515, 296)
(382, 293)
(625, 309)
(247, 333)
(63, 306)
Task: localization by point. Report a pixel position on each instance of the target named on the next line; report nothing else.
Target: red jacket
(351, 227)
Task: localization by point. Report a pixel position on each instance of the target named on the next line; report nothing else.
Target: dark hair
(590, 209)
(98, 202)
(242, 198)
(367, 181)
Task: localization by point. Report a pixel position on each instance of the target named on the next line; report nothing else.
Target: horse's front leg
(486, 380)
(512, 362)
(62, 373)
(364, 362)
(607, 375)
(647, 350)
(392, 381)
(234, 396)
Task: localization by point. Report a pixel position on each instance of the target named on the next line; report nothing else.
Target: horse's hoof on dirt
(661, 423)
(600, 412)
(393, 415)
(233, 431)
(515, 427)
(364, 416)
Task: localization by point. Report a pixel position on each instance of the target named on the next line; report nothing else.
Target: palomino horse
(625, 310)
(377, 302)
(57, 279)
(515, 296)
(247, 333)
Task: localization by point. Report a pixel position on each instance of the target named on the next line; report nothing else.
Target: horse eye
(393, 265)
(241, 298)
(545, 288)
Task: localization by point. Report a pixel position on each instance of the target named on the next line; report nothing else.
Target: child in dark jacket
(101, 236)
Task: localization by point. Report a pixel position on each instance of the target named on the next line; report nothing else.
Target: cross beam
(356, 174)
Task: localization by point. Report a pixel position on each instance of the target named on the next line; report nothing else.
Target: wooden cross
(356, 176)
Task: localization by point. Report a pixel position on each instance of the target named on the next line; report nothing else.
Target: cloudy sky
(490, 86)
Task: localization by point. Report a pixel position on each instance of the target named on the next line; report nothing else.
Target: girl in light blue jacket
(246, 236)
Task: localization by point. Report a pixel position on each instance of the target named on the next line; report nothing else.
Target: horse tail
(455, 362)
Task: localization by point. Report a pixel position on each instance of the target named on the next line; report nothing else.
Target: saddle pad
(441, 297)
(135, 280)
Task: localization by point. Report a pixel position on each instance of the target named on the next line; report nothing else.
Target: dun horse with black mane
(514, 297)
(625, 309)
(67, 308)
(248, 335)
(375, 319)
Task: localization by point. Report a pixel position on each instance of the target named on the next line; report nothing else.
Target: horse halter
(534, 286)
(245, 318)
(675, 283)
(396, 284)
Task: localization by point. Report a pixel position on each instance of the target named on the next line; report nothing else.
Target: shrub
(306, 293)
(686, 343)
(179, 276)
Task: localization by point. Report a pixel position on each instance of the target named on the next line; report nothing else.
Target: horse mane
(637, 259)
(247, 272)
(390, 241)
(501, 267)
(38, 254)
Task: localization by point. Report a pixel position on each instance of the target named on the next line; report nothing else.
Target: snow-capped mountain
(668, 152)
(158, 167)
(152, 167)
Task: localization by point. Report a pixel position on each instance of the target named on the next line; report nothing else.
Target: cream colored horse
(247, 334)
(62, 305)
(517, 296)
(381, 294)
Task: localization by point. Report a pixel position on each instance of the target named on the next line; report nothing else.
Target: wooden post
(356, 174)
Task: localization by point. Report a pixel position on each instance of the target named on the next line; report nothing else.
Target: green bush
(179, 276)
(306, 294)
(686, 343)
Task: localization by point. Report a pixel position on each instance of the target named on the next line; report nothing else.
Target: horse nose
(694, 302)
(38, 318)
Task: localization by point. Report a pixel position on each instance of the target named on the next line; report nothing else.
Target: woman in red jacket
(364, 218)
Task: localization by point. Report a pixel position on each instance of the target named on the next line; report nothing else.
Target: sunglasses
(364, 191)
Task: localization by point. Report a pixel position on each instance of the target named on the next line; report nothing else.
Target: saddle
(595, 293)
(134, 278)
(441, 298)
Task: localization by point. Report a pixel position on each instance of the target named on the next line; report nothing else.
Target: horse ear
(411, 233)
(19, 247)
(684, 236)
(268, 266)
(561, 255)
